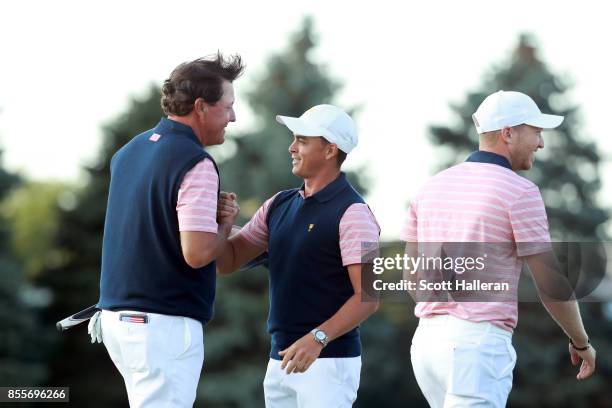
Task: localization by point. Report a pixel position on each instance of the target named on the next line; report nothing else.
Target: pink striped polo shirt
(196, 206)
(488, 203)
(357, 226)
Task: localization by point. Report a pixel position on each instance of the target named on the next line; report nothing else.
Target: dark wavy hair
(200, 78)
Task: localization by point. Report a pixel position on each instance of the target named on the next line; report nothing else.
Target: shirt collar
(329, 191)
(482, 156)
(169, 125)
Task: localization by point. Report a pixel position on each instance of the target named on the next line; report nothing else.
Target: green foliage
(291, 84)
(32, 210)
(22, 339)
(567, 172)
(75, 273)
(237, 344)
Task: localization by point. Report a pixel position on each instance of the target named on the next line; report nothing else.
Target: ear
(506, 135)
(199, 106)
(331, 151)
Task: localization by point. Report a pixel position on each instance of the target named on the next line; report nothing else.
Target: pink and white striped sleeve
(358, 231)
(197, 199)
(256, 230)
(530, 224)
(409, 232)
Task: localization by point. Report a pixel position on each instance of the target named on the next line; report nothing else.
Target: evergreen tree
(22, 339)
(86, 368)
(237, 343)
(567, 173)
(566, 170)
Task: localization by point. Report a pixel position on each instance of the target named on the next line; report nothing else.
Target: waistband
(149, 317)
(452, 323)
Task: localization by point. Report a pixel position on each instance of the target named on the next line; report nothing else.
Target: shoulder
(283, 196)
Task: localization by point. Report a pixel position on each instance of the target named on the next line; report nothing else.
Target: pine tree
(22, 339)
(567, 171)
(76, 363)
(236, 341)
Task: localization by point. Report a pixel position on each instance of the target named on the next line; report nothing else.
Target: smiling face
(308, 155)
(526, 140)
(213, 118)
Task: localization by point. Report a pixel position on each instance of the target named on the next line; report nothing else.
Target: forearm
(351, 314)
(567, 316)
(557, 295)
(227, 258)
(218, 247)
(236, 252)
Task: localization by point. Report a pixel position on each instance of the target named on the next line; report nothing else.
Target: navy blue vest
(142, 262)
(308, 283)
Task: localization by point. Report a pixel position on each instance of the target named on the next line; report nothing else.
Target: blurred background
(77, 81)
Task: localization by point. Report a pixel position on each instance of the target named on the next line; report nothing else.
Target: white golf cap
(327, 121)
(506, 109)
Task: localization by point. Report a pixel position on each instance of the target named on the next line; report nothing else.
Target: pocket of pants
(504, 362)
(134, 347)
(192, 335)
(478, 369)
(468, 371)
(348, 371)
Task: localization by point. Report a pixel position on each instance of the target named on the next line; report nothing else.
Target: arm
(250, 242)
(357, 226)
(301, 354)
(353, 312)
(203, 226)
(235, 252)
(556, 295)
(201, 248)
(411, 276)
(409, 234)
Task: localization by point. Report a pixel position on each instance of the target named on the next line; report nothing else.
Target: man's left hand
(301, 354)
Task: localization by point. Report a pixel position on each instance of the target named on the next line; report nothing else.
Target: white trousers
(458, 363)
(160, 361)
(328, 382)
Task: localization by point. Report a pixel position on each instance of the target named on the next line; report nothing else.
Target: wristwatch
(320, 337)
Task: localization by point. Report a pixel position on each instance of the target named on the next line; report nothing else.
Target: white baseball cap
(327, 121)
(508, 108)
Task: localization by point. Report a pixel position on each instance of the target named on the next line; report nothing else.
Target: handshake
(227, 209)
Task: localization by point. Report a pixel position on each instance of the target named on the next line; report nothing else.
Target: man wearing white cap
(462, 352)
(314, 236)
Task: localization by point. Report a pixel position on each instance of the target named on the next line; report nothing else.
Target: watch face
(320, 335)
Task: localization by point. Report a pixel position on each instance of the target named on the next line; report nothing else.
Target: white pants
(160, 360)
(458, 363)
(328, 382)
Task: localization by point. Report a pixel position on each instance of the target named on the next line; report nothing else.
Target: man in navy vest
(314, 236)
(162, 234)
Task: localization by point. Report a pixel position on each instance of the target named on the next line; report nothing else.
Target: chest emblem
(310, 227)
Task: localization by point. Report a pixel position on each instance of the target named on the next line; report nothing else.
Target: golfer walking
(462, 354)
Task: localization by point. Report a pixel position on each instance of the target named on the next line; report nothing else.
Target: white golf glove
(94, 328)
